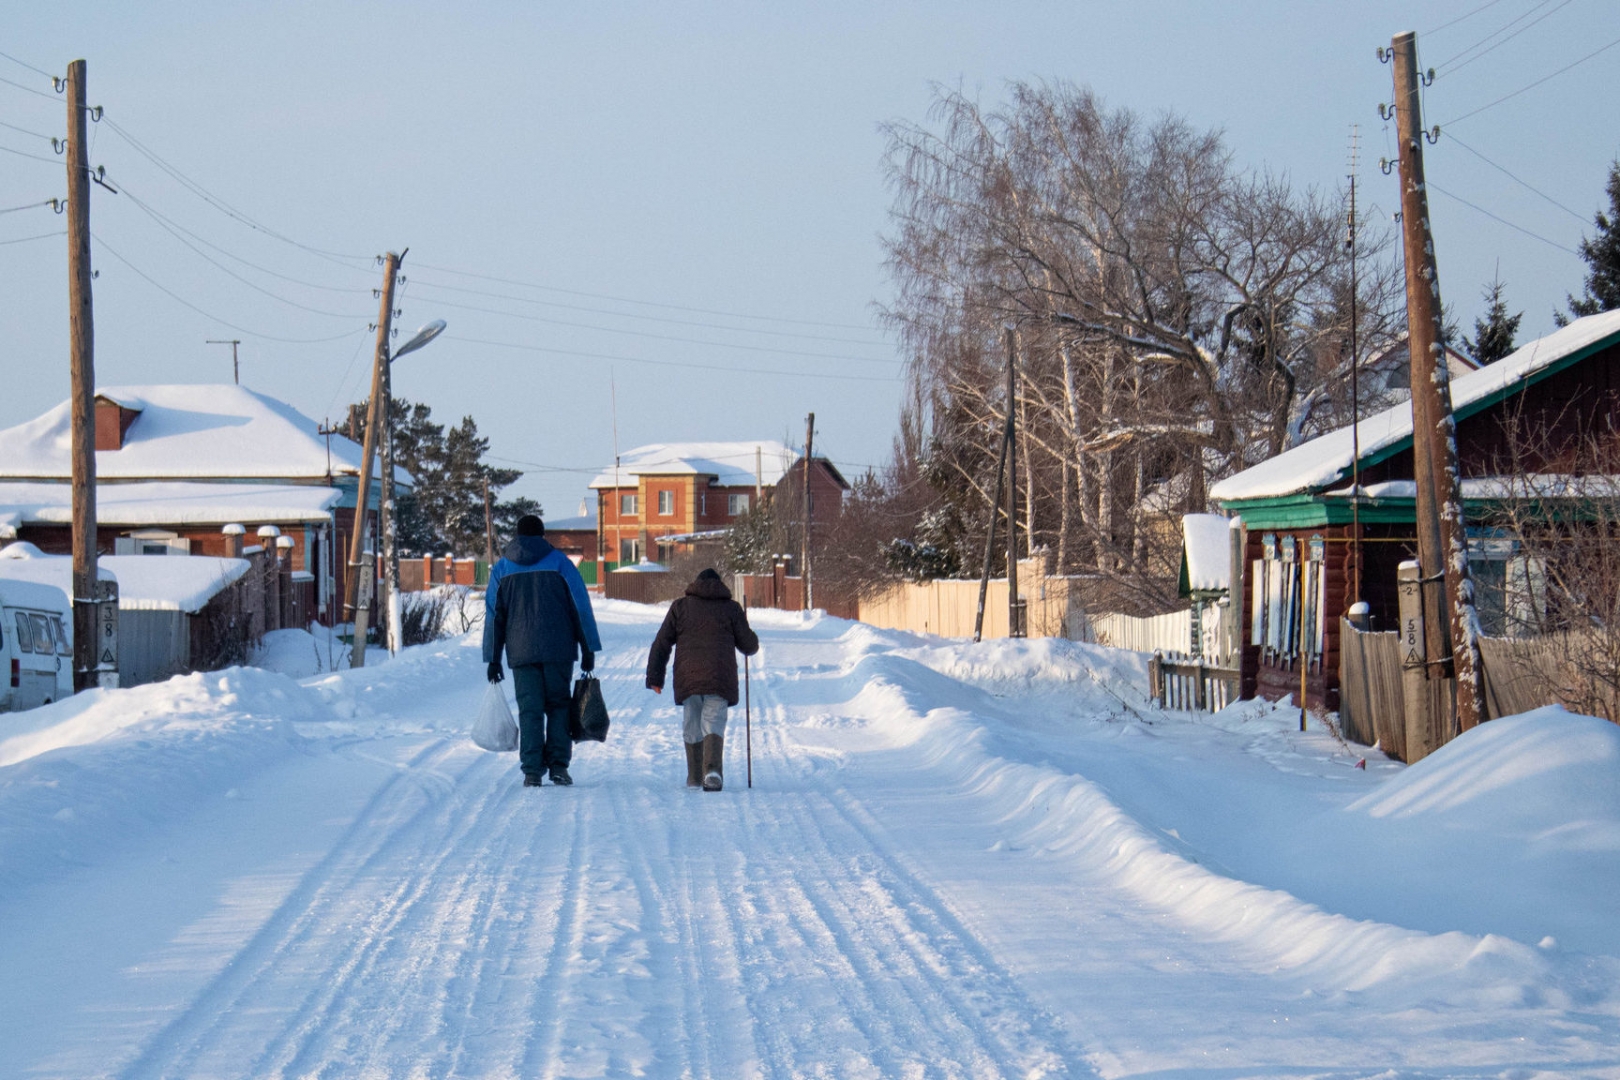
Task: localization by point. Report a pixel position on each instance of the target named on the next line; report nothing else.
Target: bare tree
(1179, 319)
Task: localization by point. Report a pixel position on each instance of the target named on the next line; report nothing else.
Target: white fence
(1171, 634)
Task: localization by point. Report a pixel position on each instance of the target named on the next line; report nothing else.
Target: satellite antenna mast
(236, 368)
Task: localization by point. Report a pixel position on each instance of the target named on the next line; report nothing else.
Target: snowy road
(954, 862)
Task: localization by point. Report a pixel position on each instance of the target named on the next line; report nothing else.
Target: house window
(631, 551)
(736, 504)
(666, 503)
(629, 505)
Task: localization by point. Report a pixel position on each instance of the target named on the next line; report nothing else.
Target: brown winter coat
(704, 627)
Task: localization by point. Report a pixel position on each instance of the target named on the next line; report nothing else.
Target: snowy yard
(956, 860)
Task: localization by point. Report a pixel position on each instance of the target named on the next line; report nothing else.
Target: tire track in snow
(552, 987)
(290, 974)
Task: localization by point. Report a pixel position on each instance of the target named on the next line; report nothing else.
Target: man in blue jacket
(537, 609)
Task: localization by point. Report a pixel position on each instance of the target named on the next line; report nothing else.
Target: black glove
(587, 661)
(495, 672)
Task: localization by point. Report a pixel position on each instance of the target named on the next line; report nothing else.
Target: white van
(36, 645)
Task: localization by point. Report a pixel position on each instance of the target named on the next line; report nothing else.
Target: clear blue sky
(720, 159)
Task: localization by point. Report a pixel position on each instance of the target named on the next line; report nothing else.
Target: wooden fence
(1170, 633)
(948, 608)
(1191, 684)
(1520, 674)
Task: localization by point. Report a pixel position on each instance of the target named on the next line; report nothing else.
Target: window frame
(666, 504)
(629, 504)
(734, 501)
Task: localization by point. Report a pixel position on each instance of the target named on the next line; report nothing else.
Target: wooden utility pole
(1014, 627)
(236, 367)
(82, 353)
(809, 509)
(1451, 626)
(358, 601)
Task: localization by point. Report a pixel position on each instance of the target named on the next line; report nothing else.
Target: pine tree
(1602, 255)
(444, 510)
(1493, 334)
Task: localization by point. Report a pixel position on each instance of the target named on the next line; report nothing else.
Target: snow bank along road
(956, 860)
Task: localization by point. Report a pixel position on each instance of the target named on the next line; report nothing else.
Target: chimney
(112, 423)
(233, 540)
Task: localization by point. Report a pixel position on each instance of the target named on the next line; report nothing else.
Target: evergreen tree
(1493, 334)
(1602, 255)
(444, 511)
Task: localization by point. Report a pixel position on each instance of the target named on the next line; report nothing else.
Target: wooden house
(1305, 524)
(177, 464)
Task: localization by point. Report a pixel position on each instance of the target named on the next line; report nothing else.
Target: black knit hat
(530, 525)
(709, 573)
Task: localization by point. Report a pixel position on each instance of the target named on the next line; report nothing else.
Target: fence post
(1420, 727)
(1156, 678)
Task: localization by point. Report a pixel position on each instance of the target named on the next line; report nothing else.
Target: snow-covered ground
(956, 860)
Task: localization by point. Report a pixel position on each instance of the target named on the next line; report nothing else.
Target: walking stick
(748, 721)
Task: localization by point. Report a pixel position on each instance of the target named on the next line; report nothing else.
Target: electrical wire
(163, 224)
(639, 303)
(1504, 221)
(25, 131)
(673, 363)
(41, 236)
(30, 67)
(1448, 67)
(647, 318)
(665, 337)
(177, 298)
(226, 208)
(1528, 187)
(1531, 86)
(27, 206)
(1461, 18)
(35, 157)
(29, 89)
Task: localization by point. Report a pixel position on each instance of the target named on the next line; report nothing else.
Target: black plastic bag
(587, 713)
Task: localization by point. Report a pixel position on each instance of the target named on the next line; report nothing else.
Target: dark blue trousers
(543, 695)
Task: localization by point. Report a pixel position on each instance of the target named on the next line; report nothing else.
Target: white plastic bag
(494, 729)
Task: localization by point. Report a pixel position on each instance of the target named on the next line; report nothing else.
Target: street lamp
(390, 551)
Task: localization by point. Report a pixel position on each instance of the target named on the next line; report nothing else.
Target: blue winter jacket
(536, 606)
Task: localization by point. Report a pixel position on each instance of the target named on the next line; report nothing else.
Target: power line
(1447, 67)
(25, 131)
(35, 157)
(28, 206)
(1504, 221)
(225, 269)
(1461, 18)
(177, 298)
(41, 236)
(647, 318)
(224, 207)
(30, 67)
(1531, 86)
(640, 303)
(1515, 179)
(232, 255)
(665, 337)
(673, 363)
(29, 89)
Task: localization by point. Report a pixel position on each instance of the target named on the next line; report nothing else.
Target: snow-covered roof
(1207, 549)
(204, 431)
(149, 582)
(730, 463)
(1327, 459)
(159, 503)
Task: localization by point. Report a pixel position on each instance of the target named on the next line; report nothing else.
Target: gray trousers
(705, 715)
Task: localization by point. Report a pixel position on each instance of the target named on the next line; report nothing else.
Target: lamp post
(390, 551)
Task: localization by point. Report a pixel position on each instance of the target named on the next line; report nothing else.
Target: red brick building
(688, 490)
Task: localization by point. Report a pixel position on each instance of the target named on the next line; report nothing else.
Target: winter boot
(713, 775)
(560, 777)
(694, 764)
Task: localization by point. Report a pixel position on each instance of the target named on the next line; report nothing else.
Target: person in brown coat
(705, 628)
